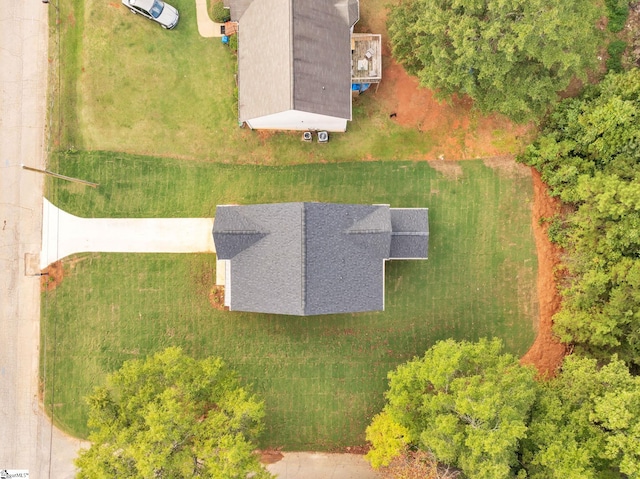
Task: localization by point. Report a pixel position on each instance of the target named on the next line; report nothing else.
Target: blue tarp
(360, 86)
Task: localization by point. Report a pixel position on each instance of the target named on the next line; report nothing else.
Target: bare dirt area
(460, 132)
(547, 352)
(507, 166)
(631, 33)
(449, 169)
(270, 456)
(52, 276)
(216, 298)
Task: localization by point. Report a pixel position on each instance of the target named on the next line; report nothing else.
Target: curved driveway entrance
(64, 234)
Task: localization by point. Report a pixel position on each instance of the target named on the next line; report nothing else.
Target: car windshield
(157, 8)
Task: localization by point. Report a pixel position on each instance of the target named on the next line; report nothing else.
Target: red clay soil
(458, 131)
(270, 456)
(216, 298)
(51, 276)
(546, 353)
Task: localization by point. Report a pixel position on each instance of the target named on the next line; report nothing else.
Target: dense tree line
(474, 408)
(589, 155)
(510, 56)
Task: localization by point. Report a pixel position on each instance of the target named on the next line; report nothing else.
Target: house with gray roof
(313, 258)
(295, 62)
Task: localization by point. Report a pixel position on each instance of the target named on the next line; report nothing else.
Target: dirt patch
(216, 298)
(360, 450)
(264, 135)
(631, 33)
(449, 169)
(202, 277)
(507, 166)
(459, 132)
(270, 456)
(52, 276)
(339, 332)
(547, 352)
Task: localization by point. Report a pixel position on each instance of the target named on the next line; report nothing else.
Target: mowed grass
(322, 378)
(128, 85)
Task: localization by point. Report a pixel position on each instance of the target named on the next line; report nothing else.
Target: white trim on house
(221, 272)
(298, 120)
(227, 283)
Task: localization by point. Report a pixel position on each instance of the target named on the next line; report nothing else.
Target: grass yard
(127, 85)
(322, 378)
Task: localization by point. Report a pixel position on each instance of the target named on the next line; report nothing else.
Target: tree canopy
(585, 423)
(465, 402)
(510, 56)
(589, 155)
(172, 416)
(474, 408)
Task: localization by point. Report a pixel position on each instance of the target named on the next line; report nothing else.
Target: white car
(156, 10)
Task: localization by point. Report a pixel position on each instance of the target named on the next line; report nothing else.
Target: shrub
(615, 50)
(219, 13)
(617, 11)
(233, 43)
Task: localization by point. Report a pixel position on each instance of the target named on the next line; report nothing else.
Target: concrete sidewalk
(315, 465)
(64, 234)
(207, 28)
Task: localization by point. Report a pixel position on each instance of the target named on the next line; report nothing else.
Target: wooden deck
(366, 58)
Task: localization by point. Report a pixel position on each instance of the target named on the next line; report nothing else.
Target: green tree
(510, 56)
(172, 416)
(467, 403)
(586, 423)
(589, 155)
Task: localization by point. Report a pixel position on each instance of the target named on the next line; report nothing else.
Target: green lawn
(322, 377)
(127, 85)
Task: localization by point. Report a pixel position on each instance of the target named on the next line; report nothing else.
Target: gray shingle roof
(237, 7)
(268, 276)
(294, 55)
(344, 262)
(410, 236)
(310, 258)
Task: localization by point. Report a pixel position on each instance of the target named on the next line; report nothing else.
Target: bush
(617, 11)
(219, 13)
(556, 231)
(615, 51)
(233, 42)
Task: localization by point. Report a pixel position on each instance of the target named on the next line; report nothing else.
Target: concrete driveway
(64, 234)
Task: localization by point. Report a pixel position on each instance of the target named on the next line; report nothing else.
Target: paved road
(28, 441)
